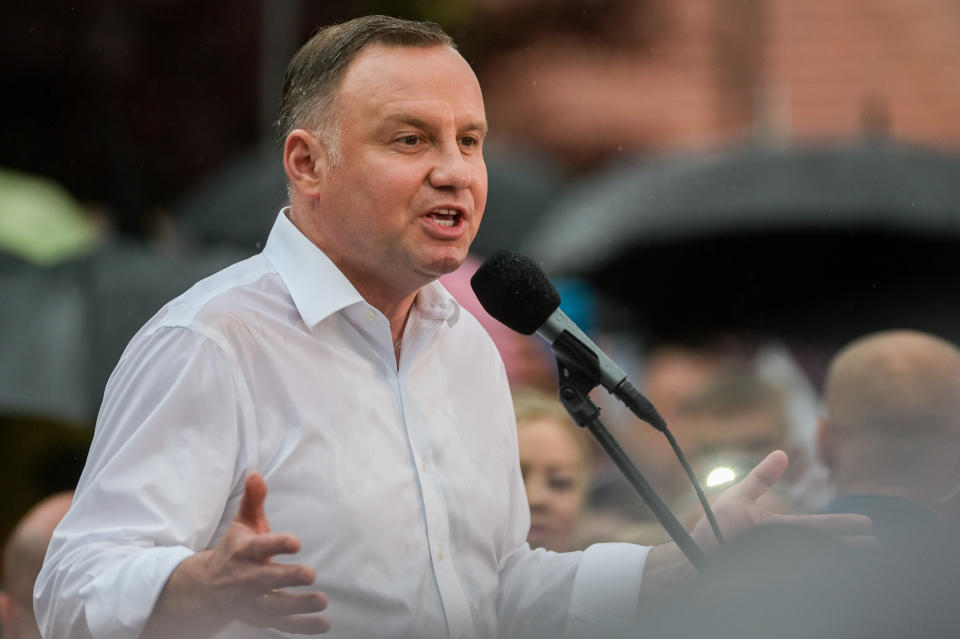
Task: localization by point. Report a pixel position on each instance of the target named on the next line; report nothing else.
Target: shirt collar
(319, 289)
(317, 286)
(435, 302)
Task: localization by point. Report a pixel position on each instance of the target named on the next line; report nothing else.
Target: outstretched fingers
(251, 510)
(763, 476)
(237, 579)
(264, 546)
(289, 612)
(273, 576)
(282, 603)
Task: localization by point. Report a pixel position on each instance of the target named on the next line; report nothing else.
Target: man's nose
(451, 170)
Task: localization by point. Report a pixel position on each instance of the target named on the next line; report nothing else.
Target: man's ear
(306, 162)
(10, 620)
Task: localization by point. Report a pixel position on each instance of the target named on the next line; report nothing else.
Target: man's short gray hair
(315, 71)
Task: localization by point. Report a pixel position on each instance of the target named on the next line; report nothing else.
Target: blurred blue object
(579, 301)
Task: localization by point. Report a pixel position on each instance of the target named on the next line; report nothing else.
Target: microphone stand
(579, 374)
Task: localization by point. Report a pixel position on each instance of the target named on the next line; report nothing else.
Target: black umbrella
(822, 242)
(63, 328)
(45, 345)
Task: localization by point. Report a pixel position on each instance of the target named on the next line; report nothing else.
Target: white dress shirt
(401, 482)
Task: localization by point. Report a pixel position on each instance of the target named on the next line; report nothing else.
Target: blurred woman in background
(555, 465)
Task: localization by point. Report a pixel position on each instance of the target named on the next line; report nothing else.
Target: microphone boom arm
(579, 374)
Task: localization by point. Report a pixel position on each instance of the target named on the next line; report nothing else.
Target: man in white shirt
(335, 370)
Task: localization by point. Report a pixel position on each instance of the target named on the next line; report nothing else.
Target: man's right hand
(238, 580)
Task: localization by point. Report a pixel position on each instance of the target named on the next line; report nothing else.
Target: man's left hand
(736, 510)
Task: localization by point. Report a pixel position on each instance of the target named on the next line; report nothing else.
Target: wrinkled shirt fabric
(400, 480)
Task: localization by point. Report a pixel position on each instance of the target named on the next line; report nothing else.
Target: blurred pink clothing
(526, 357)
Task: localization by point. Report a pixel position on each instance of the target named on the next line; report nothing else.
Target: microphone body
(513, 289)
(612, 377)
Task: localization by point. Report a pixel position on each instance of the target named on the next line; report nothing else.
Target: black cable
(696, 485)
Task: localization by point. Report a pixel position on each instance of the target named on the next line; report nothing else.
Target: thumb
(251, 510)
(762, 477)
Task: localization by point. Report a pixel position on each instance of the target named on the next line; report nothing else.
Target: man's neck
(392, 298)
(396, 310)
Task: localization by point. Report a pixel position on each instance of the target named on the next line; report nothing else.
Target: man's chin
(445, 264)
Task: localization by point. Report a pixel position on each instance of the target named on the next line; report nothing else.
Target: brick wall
(716, 72)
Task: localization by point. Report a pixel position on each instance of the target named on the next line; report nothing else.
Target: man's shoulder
(239, 289)
(474, 342)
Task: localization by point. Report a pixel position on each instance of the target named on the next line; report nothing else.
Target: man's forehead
(381, 67)
(407, 83)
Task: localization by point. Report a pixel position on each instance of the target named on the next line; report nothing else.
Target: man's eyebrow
(415, 121)
(479, 126)
(405, 118)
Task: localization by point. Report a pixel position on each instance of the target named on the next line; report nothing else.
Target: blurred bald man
(22, 559)
(891, 435)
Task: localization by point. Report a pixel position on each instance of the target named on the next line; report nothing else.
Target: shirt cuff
(606, 590)
(119, 601)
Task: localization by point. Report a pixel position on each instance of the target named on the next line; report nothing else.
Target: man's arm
(164, 476)
(237, 580)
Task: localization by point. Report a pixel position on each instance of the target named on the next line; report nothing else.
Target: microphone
(515, 291)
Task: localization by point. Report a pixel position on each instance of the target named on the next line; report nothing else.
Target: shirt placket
(456, 606)
(454, 602)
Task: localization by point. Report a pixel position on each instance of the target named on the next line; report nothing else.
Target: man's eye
(469, 141)
(410, 140)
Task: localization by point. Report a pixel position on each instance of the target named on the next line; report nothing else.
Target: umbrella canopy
(523, 186)
(63, 328)
(821, 241)
(45, 345)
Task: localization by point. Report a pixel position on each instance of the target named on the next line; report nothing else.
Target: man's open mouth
(444, 217)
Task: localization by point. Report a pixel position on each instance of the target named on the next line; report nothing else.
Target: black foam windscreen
(515, 291)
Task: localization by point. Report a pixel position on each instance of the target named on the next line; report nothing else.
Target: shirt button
(423, 465)
(440, 555)
(370, 315)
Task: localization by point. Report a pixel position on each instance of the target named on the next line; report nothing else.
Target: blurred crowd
(886, 422)
(879, 436)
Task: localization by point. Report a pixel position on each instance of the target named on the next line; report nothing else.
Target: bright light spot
(720, 476)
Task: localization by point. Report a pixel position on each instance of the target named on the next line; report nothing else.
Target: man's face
(406, 198)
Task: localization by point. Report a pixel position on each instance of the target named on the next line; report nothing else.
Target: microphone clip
(579, 373)
(578, 364)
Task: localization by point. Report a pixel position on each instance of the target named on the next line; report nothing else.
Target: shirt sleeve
(161, 468)
(606, 591)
